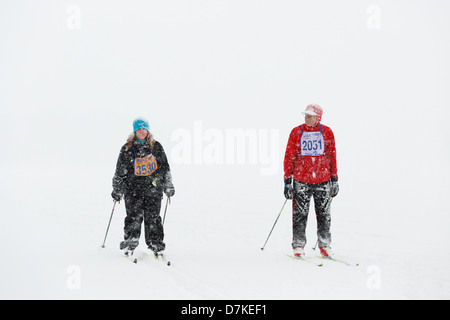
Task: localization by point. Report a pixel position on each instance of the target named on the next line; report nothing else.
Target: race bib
(312, 143)
(145, 166)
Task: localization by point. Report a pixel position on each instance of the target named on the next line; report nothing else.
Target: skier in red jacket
(310, 170)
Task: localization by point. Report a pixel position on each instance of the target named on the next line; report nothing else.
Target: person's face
(311, 120)
(141, 134)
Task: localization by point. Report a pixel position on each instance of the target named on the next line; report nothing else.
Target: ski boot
(128, 246)
(157, 248)
(299, 252)
(326, 252)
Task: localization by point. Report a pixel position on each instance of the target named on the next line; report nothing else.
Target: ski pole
(114, 206)
(165, 210)
(315, 246)
(274, 224)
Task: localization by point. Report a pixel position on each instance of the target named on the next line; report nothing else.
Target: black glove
(288, 188)
(334, 187)
(169, 191)
(117, 196)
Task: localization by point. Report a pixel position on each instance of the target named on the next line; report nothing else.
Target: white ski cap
(313, 110)
(310, 112)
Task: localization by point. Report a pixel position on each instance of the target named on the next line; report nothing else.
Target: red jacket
(310, 154)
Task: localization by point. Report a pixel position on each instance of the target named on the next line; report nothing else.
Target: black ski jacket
(125, 180)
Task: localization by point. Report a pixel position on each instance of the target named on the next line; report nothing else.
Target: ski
(129, 255)
(161, 257)
(305, 260)
(340, 261)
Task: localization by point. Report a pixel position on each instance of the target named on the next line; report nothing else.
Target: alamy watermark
(73, 21)
(373, 21)
(374, 280)
(214, 146)
(73, 281)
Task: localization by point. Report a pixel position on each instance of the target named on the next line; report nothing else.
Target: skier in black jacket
(142, 175)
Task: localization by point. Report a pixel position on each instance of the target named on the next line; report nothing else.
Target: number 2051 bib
(312, 143)
(145, 166)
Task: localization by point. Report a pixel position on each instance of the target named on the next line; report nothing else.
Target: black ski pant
(321, 193)
(143, 208)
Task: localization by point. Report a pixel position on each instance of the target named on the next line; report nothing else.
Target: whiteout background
(74, 75)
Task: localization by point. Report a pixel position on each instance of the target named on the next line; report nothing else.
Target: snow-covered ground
(74, 75)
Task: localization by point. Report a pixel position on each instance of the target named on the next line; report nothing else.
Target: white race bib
(312, 143)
